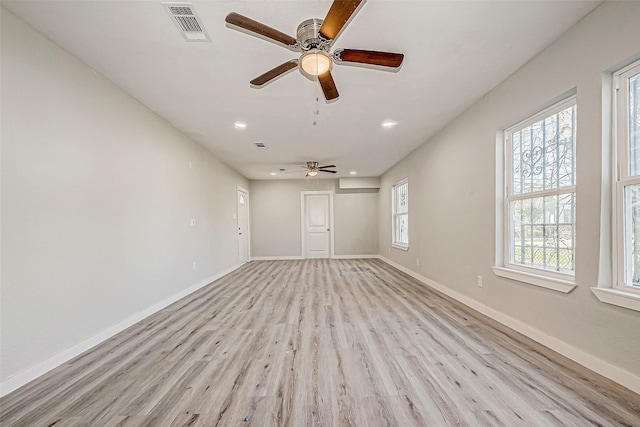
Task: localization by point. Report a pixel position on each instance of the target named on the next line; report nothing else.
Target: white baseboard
(355, 256)
(298, 257)
(614, 373)
(21, 378)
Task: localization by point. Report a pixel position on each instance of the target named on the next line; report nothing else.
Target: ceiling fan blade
(323, 170)
(259, 28)
(329, 166)
(276, 72)
(337, 17)
(328, 86)
(385, 59)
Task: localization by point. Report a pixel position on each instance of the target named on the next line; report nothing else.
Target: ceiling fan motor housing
(309, 36)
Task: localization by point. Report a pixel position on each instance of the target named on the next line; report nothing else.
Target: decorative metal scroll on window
(543, 168)
(402, 198)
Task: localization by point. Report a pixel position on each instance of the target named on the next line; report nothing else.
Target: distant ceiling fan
(313, 169)
(314, 40)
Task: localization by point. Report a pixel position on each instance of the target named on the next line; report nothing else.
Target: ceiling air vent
(261, 145)
(186, 19)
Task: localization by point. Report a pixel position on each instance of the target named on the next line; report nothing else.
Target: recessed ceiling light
(353, 173)
(273, 173)
(240, 125)
(388, 124)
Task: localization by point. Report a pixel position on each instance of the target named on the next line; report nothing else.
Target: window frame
(622, 176)
(395, 214)
(561, 281)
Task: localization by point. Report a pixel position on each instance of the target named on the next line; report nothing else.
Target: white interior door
(243, 225)
(317, 226)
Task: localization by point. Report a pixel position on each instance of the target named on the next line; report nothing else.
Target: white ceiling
(454, 53)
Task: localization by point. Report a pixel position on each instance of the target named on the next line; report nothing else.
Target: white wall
(356, 222)
(97, 196)
(275, 218)
(452, 188)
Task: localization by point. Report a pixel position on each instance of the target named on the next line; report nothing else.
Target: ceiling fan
(312, 169)
(314, 40)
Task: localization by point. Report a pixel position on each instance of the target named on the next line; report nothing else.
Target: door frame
(248, 205)
(303, 231)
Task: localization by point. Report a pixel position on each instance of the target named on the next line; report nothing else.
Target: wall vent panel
(186, 20)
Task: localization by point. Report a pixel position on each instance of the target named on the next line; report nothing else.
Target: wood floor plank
(319, 343)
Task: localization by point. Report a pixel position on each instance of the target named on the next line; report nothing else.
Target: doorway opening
(243, 225)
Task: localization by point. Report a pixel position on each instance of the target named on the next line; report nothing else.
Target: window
(627, 191)
(400, 201)
(538, 224)
(624, 289)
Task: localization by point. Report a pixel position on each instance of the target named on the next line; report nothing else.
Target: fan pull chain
(316, 109)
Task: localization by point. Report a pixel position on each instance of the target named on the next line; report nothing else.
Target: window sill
(401, 247)
(617, 297)
(564, 286)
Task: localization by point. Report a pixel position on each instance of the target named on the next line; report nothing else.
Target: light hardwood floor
(319, 343)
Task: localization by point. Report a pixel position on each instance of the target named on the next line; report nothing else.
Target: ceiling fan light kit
(315, 62)
(314, 40)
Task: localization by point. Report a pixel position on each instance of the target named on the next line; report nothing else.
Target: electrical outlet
(192, 165)
(193, 222)
(389, 250)
(194, 265)
(417, 261)
(480, 281)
